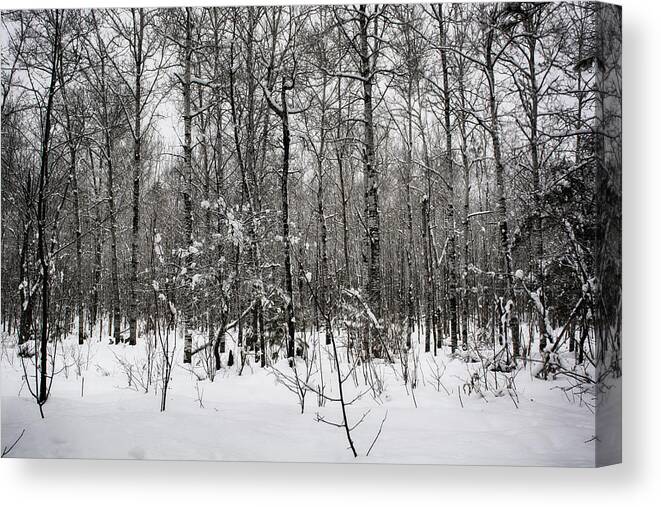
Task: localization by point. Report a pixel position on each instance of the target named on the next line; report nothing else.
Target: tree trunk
(501, 209)
(24, 330)
(371, 185)
(139, 31)
(42, 213)
(323, 228)
(410, 247)
(429, 299)
(73, 159)
(116, 316)
(465, 222)
(452, 263)
(188, 174)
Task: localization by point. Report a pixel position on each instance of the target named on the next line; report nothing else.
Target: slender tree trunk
(339, 150)
(79, 249)
(371, 185)
(96, 278)
(283, 113)
(114, 269)
(323, 228)
(139, 31)
(73, 175)
(188, 174)
(532, 108)
(466, 198)
(501, 209)
(428, 247)
(42, 213)
(452, 262)
(410, 247)
(246, 161)
(429, 310)
(26, 298)
(116, 316)
(289, 286)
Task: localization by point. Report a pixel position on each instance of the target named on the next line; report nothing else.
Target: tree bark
(116, 316)
(139, 32)
(371, 184)
(452, 262)
(42, 212)
(188, 174)
(501, 208)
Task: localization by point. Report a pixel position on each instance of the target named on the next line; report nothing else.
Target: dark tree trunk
(42, 213)
(188, 174)
(284, 182)
(452, 262)
(139, 31)
(371, 184)
(501, 208)
(115, 317)
(25, 323)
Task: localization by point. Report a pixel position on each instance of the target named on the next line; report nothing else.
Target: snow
(255, 417)
(537, 300)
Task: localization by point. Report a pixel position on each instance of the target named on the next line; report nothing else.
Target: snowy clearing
(255, 417)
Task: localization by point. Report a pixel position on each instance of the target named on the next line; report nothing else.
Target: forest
(335, 232)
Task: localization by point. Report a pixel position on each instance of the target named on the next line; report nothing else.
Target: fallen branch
(7, 450)
(377, 434)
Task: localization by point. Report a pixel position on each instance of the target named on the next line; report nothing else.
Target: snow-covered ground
(255, 417)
